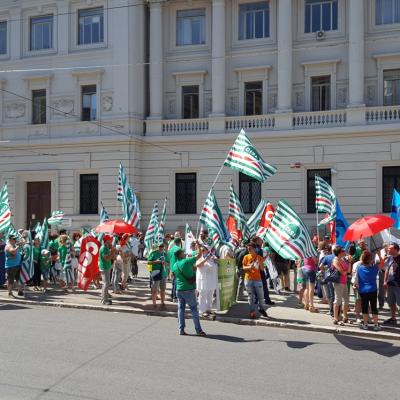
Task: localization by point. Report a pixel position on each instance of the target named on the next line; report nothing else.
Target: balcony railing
(381, 115)
(319, 119)
(182, 126)
(256, 122)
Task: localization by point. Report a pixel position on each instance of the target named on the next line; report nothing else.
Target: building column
(15, 33)
(218, 58)
(356, 53)
(156, 58)
(284, 56)
(62, 26)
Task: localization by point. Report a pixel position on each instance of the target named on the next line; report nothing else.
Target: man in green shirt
(172, 259)
(184, 271)
(105, 256)
(158, 275)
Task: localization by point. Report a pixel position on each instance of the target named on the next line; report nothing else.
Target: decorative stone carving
(171, 106)
(233, 104)
(274, 100)
(63, 106)
(299, 99)
(15, 110)
(107, 103)
(208, 105)
(342, 96)
(370, 94)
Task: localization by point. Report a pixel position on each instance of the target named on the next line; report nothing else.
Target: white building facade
(165, 86)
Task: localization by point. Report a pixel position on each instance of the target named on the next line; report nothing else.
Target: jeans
(117, 273)
(188, 297)
(173, 289)
(331, 295)
(381, 289)
(255, 289)
(265, 291)
(105, 277)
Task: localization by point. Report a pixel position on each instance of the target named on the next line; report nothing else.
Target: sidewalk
(284, 314)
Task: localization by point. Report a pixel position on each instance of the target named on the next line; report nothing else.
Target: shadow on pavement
(232, 339)
(294, 344)
(380, 347)
(8, 307)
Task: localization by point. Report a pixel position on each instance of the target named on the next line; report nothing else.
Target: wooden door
(38, 202)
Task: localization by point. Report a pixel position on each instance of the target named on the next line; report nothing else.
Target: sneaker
(377, 328)
(182, 332)
(10, 294)
(359, 322)
(21, 293)
(263, 313)
(201, 333)
(364, 327)
(270, 303)
(390, 321)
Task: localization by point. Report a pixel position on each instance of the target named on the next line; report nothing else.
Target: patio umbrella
(116, 226)
(367, 226)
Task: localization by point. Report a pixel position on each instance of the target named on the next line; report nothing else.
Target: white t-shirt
(134, 242)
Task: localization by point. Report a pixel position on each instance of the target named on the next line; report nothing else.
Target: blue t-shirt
(367, 278)
(12, 262)
(327, 260)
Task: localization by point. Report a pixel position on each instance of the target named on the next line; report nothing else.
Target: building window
(254, 20)
(39, 106)
(89, 194)
(89, 103)
(190, 27)
(41, 33)
(249, 193)
(185, 193)
(391, 87)
(390, 181)
(321, 93)
(253, 93)
(387, 12)
(91, 26)
(3, 37)
(190, 102)
(321, 15)
(325, 174)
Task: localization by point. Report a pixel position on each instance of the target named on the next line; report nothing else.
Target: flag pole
(317, 226)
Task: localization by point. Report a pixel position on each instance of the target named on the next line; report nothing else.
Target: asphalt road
(63, 354)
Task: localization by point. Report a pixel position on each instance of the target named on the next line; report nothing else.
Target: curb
(219, 318)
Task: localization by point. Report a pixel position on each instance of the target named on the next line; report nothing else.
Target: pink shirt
(344, 266)
(309, 264)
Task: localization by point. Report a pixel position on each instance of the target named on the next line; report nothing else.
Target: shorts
(393, 295)
(341, 292)
(282, 267)
(159, 285)
(12, 274)
(309, 276)
(46, 274)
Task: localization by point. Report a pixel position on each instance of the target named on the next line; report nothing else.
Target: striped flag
(288, 235)
(44, 235)
(244, 157)
(152, 228)
(236, 211)
(189, 239)
(5, 211)
(26, 271)
(56, 218)
(37, 229)
(103, 214)
(265, 221)
(67, 267)
(211, 217)
(14, 232)
(126, 195)
(254, 221)
(161, 226)
(325, 200)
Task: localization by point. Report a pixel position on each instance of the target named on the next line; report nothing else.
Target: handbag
(156, 275)
(333, 275)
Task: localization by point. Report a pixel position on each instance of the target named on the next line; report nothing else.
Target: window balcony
(276, 122)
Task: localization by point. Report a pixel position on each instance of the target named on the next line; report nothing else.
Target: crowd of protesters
(371, 277)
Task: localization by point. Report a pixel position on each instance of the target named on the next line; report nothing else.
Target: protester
(12, 265)
(340, 287)
(156, 260)
(2, 260)
(325, 267)
(239, 256)
(309, 271)
(206, 281)
(105, 256)
(392, 282)
(45, 266)
(134, 245)
(36, 279)
(118, 267)
(184, 271)
(367, 273)
(302, 283)
(171, 260)
(125, 253)
(252, 265)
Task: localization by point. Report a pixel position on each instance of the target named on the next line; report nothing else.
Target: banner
(88, 261)
(227, 284)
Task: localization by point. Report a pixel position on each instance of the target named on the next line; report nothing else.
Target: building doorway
(38, 202)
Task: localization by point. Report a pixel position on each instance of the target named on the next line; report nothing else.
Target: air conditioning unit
(320, 35)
